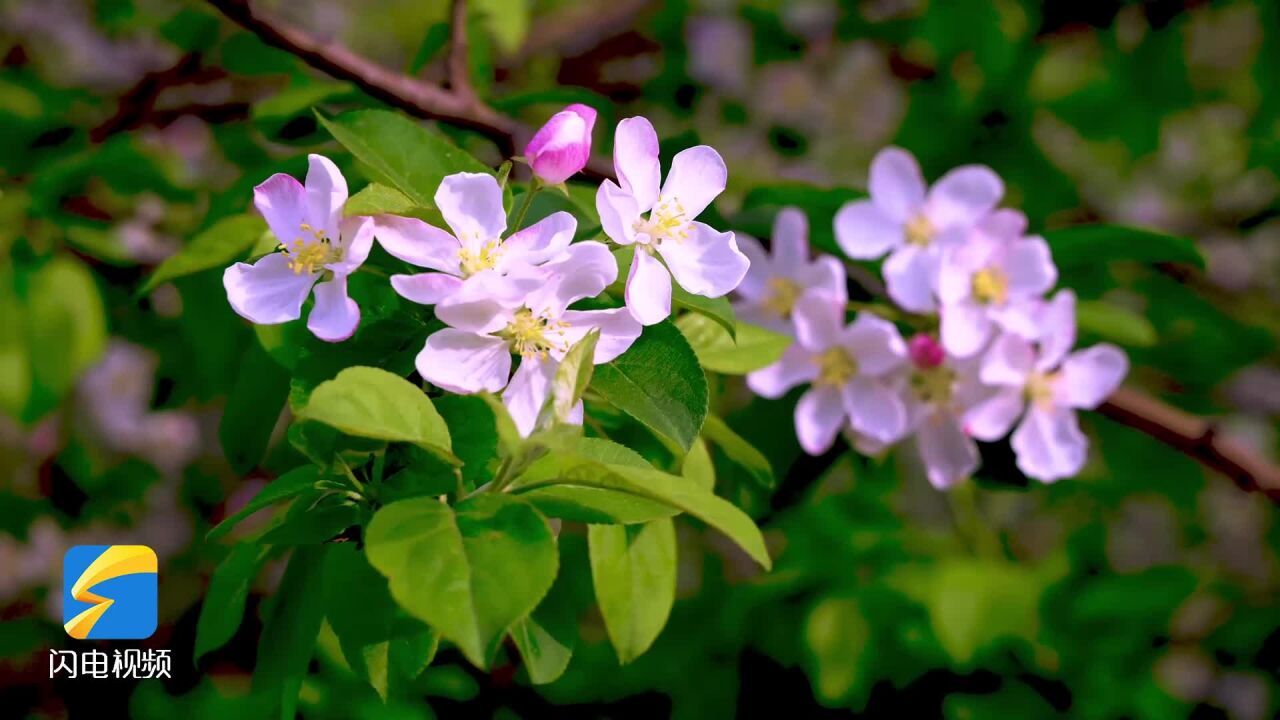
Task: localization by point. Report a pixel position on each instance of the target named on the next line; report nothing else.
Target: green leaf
(569, 467)
(739, 451)
(658, 382)
(1086, 245)
(470, 572)
(596, 505)
(288, 485)
(545, 655)
(66, 323)
(633, 569)
(506, 20)
(754, 348)
(15, 365)
(1115, 323)
(573, 375)
(223, 605)
(310, 522)
(376, 199)
(218, 246)
(839, 641)
(290, 631)
(698, 468)
(252, 409)
(373, 403)
(399, 152)
(473, 430)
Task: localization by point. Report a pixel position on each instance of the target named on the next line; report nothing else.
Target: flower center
(933, 385)
(835, 367)
(532, 335)
(1039, 389)
(486, 258)
(919, 230)
(308, 253)
(990, 286)
(781, 296)
(666, 221)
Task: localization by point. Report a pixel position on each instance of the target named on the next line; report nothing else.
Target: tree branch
(459, 71)
(1188, 434)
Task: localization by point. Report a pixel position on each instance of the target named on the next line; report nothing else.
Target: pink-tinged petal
(963, 197)
(418, 243)
(707, 263)
(1049, 444)
(282, 200)
(826, 275)
(875, 344)
(875, 410)
(584, 270)
(1018, 317)
(896, 184)
(528, 392)
(486, 302)
(1029, 267)
(991, 419)
(818, 320)
(1089, 376)
(760, 316)
(790, 241)
(560, 148)
(955, 274)
(267, 292)
(949, 455)
(1057, 334)
(635, 157)
(697, 176)
(618, 212)
(648, 289)
(1003, 224)
(865, 232)
(335, 316)
(425, 288)
(1009, 361)
(471, 204)
(356, 240)
(464, 362)
(540, 242)
(755, 283)
(966, 328)
(618, 330)
(910, 274)
(326, 195)
(796, 366)
(819, 416)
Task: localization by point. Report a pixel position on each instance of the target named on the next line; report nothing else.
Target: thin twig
(459, 70)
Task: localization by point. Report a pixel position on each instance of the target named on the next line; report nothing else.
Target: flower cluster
(502, 294)
(989, 351)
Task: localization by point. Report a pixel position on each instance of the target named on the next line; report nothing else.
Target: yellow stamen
(990, 286)
(485, 259)
(666, 222)
(306, 255)
(1039, 389)
(533, 335)
(919, 230)
(835, 367)
(934, 385)
(782, 296)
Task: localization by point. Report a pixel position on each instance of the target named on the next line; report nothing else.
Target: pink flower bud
(925, 351)
(561, 148)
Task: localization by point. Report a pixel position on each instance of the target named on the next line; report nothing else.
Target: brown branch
(1185, 433)
(459, 70)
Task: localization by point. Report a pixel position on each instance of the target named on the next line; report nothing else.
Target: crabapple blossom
(658, 220)
(318, 250)
(560, 148)
(525, 313)
(774, 282)
(937, 390)
(848, 368)
(1044, 385)
(994, 280)
(914, 224)
(471, 204)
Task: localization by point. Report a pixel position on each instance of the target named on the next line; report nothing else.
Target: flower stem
(534, 186)
(882, 310)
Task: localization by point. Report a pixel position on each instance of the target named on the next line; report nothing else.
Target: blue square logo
(109, 592)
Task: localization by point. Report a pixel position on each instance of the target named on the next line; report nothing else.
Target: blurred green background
(1145, 588)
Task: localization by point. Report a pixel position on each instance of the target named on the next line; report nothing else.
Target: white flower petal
(819, 416)
(966, 328)
(875, 410)
(865, 232)
(697, 176)
(755, 283)
(425, 288)
(335, 316)
(584, 270)
(773, 381)
(707, 263)
(648, 289)
(991, 419)
(1089, 376)
(618, 212)
(963, 197)
(1009, 361)
(875, 344)
(635, 157)
(910, 274)
(819, 321)
(949, 455)
(618, 330)
(790, 241)
(464, 362)
(356, 240)
(896, 184)
(1003, 224)
(1029, 267)
(471, 204)
(418, 243)
(267, 292)
(326, 194)
(1019, 317)
(528, 392)
(486, 302)
(826, 275)
(540, 242)
(282, 200)
(1049, 444)
(1057, 334)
